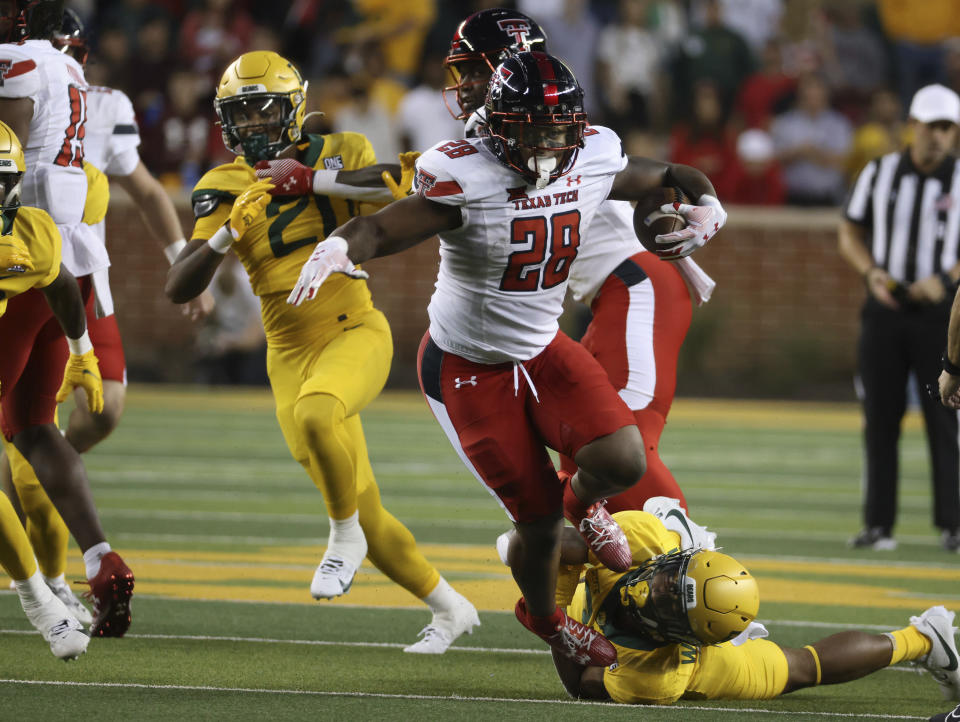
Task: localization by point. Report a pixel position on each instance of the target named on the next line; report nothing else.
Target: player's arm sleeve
(122, 153)
(211, 208)
(19, 76)
(438, 180)
(859, 206)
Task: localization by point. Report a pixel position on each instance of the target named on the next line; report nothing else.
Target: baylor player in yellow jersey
(681, 620)
(326, 362)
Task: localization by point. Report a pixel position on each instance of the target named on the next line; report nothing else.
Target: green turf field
(223, 531)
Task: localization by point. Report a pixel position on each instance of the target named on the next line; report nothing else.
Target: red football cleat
(605, 537)
(110, 592)
(573, 640)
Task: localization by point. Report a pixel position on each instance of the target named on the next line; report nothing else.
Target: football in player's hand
(649, 221)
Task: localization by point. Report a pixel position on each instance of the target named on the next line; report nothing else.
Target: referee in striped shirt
(900, 231)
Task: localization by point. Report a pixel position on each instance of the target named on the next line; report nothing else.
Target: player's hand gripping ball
(650, 221)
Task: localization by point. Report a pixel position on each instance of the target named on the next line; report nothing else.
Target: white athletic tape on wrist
(221, 240)
(79, 346)
(173, 250)
(325, 184)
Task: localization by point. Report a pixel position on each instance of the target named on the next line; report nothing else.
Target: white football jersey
(112, 136)
(54, 180)
(503, 273)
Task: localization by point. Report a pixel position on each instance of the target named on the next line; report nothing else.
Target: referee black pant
(892, 344)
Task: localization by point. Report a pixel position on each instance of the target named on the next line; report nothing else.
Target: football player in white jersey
(641, 305)
(110, 144)
(43, 99)
(499, 376)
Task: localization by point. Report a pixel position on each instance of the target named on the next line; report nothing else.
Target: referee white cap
(935, 102)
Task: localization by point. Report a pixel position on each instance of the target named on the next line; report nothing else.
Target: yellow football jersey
(645, 673)
(37, 230)
(98, 195)
(281, 240)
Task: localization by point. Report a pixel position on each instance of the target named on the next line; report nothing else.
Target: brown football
(649, 221)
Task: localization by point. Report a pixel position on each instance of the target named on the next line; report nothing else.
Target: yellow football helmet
(696, 597)
(12, 167)
(260, 102)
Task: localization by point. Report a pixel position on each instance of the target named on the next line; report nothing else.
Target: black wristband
(948, 365)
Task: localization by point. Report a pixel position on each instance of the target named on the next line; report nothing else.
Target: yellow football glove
(408, 167)
(14, 255)
(83, 371)
(248, 207)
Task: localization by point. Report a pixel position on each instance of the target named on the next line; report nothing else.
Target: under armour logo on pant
(458, 382)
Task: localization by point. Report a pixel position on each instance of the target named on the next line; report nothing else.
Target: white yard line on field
(438, 698)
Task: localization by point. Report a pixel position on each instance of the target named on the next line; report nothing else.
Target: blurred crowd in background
(777, 101)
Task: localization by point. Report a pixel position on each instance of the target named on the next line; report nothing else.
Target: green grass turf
(191, 470)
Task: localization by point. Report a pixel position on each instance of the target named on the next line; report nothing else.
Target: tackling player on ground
(327, 361)
(681, 620)
(42, 99)
(641, 305)
(499, 377)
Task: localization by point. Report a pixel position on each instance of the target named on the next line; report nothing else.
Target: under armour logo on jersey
(516, 28)
(458, 382)
(571, 179)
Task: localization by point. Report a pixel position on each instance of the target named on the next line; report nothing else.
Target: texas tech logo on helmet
(516, 28)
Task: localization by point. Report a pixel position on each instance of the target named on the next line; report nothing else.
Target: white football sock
(347, 539)
(55, 581)
(33, 592)
(92, 557)
(443, 598)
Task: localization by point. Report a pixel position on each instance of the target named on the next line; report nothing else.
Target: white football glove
(329, 256)
(674, 518)
(703, 222)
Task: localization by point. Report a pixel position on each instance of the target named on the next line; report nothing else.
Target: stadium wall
(782, 321)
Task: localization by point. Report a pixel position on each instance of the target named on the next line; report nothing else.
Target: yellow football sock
(392, 548)
(332, 452)
(908, 644)
(16, 557)
(46, 530)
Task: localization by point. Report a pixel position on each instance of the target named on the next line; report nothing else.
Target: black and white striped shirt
(912, 220)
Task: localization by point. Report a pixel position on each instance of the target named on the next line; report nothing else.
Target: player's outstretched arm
(380, 183)
(399, 226)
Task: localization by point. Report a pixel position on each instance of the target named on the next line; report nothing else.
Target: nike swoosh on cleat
(952, 663)
(683, 520)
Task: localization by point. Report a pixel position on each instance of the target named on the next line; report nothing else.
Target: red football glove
(289, 177)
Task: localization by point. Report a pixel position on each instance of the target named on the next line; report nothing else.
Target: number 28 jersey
(503, 272)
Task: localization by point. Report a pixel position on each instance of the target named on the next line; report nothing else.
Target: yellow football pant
(757, 669)
(320, 385)
(16, 556)
(46, 530)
